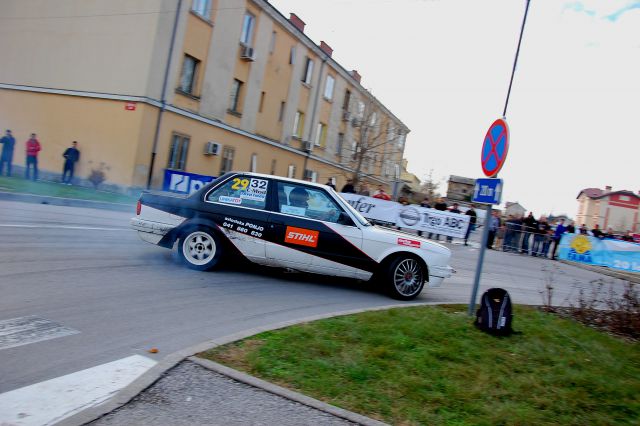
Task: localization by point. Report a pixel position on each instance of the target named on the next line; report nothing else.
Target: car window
(242, 191)
(300, 200)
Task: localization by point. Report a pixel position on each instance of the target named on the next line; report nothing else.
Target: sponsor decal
(243, 227)
(230, 200)
(409, 216)
(301, 236)
(408, 242)
(298, 211)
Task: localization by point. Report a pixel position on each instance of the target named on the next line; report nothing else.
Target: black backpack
(494, 315)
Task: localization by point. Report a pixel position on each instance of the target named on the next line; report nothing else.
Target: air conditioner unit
(307, 145)
(346, 115)
(211, 148)
(247, 53)
(309, 174)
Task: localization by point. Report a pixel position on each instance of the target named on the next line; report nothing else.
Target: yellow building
(202, 86)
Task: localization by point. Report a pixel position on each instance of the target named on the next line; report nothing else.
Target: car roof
(284, 179)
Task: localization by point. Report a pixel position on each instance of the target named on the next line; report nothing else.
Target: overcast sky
(443, 67)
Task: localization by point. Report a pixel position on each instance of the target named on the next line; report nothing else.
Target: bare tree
(430, 187)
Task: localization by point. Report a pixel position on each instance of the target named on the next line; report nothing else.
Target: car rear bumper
(149, 231)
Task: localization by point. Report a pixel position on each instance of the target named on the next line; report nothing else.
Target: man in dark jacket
(71, 157)
(442, 206)
(348, 188)
(473, 217)
(529, 225)
(8, 142)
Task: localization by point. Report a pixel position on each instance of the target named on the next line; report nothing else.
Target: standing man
(380, 194)
(71, 156)
(348, 188)
(529, 225)
(364, 189)
(441, 206)
(8, 142)
(453, 209)
(329, 183)
(493, 224)
(473, 217)
(33, 148)
(557, 236)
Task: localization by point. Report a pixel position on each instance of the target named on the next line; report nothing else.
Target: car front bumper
(437, 274)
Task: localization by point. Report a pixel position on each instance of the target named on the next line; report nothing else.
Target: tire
(200, 249)
(404, 277)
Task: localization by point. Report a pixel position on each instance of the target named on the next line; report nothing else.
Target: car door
(239, 208)
(307, 235)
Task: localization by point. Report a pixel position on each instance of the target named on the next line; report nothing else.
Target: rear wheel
(200, 249)
(404, 277)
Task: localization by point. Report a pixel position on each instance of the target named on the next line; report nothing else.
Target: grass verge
(54, 189)
(429, 365)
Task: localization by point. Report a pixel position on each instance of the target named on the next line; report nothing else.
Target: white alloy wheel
(199, 249)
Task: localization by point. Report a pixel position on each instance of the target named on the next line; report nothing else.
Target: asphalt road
(116, 296)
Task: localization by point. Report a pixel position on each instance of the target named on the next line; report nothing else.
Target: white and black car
(288, 223)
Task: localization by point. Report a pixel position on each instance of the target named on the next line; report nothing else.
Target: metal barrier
(521, 239)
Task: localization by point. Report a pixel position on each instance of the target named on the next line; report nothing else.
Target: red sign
(130, 106)
(301, 236)
(495, 148)
(408, 242)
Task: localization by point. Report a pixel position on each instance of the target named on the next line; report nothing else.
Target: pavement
(98, 298)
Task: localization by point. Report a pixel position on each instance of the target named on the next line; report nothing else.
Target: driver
(299, 197)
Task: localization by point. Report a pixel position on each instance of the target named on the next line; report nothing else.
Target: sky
(443, 68)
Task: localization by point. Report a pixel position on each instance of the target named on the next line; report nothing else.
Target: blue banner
(616, 254)
(183, 182)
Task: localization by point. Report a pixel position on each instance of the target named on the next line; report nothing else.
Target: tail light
(138, 208)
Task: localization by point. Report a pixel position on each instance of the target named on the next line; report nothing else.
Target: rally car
(288, 223)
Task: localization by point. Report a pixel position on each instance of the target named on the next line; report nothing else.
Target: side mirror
(345, 219)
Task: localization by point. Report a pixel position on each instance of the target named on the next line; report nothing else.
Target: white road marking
(48, 402)
(24, 330)
(83, 228)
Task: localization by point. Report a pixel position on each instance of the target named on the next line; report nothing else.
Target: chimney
(356, 76)
(607, 189)
(297, 22)
(326, 48)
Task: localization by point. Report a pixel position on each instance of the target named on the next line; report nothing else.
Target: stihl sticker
(407, 242)
(301, 236)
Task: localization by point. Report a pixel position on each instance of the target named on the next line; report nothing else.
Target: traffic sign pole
(483, 247)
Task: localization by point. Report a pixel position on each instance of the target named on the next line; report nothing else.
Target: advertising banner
(183, 182)
(410, 217)
(616, 254)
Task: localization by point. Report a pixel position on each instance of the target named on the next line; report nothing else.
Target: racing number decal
(239, 184)
(301, 236)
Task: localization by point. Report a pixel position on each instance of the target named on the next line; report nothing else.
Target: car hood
(401, 238)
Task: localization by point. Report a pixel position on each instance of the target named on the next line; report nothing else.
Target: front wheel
(405, 277)
(200, 249)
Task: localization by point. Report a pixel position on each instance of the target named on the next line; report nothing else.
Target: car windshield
(353, 211)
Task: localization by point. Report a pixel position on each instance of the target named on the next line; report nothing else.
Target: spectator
(442, 206)
(330, 183)
(540, 238)
(473, 218)
(597, 232)
(494, 224)
(380, 194)
(403, 200)
(454, 209)
(583, 230)
(33, 148)
(557, 236)
(511, 233)
(71, 157)
(364, 189)
(425, 203)
(627, 236)
(571, 229)
(500, 233)
(348, 187)
(8, 142)
(609, 235)
(529, 225)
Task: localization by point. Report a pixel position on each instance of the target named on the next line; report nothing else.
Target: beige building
(514, 209)
(201, 86)
(618, 210)
(460, 188)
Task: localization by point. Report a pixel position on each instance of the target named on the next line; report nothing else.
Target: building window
(234, 101)
(308, 71)
(360, 110)
(189, 74)
(374, 119)
(178, 152)
(401, 140)
(321, 135)
(272, 45)
(247, 29)
(328, 88)
(281, 113)
(253, 166)
(347, 100)
(298, 125)
(202, 8)
(292, 55)
(340, 143)
(227, 160)
(261, 102)
(273, 166)
(291, 171)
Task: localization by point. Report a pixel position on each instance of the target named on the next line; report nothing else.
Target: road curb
(170, 361)
(67, 202)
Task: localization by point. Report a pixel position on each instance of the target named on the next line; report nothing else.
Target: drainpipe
(313, 115)
(163, 99)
